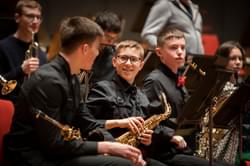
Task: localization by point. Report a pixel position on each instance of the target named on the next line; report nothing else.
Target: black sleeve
(49, 97)
(152, 90)
(98, 100)
(90, 127)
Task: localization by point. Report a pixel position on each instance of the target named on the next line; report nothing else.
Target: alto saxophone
(68, 133)
(150, 123)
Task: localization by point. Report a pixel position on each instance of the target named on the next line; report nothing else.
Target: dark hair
(226, 47)
(27, 3)
(168, 33)
(75, 30)
(108, 21)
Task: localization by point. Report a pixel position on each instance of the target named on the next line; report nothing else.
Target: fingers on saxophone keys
(133, 128)
(139, 122)
(136, 124)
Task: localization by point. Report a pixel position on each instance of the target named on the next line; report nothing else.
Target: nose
(35, 20)
(180, 51)
(128, 61)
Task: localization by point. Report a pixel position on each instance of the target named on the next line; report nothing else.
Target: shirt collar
(61, 61)
(124, 85)
(167, 71)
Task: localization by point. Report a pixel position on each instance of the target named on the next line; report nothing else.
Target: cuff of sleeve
(90, 147)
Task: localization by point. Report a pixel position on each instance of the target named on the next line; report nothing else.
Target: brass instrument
(194, 67)
(133, 139)
(68, 133)
(84, 77)
(218, 133)
(33, 49)
(8, 86)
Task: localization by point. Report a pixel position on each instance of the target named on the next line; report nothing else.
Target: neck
(24, 36)
(131, 82)
(71, 61)
(173, 68)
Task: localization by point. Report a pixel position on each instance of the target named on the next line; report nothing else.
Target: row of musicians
(120, 101)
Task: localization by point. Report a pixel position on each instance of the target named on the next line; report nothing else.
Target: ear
(17, 17)
(158, 52)
(114, 61)
(85, 48)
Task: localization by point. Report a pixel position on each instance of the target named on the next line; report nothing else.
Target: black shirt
(116, 99)
(163, 79)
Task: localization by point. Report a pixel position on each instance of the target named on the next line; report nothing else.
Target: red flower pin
(181, 81)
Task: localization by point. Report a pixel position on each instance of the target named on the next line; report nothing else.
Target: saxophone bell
(68, 133)
(8, 86)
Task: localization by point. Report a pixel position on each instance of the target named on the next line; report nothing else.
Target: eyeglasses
(125, 58)
(32, 17)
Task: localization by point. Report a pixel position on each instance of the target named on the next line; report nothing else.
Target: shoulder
(104, 87)
(154, 76)
(162, 4)
(50, 74)
(5, 42)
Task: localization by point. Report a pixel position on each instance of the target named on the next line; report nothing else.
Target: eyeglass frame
(31, 17)
(130, 58)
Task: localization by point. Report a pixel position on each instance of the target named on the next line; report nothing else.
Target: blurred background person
(14, 64)
(179, 13)
(111, 24)
(226, 141)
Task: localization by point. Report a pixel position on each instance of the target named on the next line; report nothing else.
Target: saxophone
(150, 123)
(68, 133)
(218, 133)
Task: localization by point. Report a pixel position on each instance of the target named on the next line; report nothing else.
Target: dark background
(230, 20)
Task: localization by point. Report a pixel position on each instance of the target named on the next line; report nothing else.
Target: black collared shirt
(116, 99)
(163, 79)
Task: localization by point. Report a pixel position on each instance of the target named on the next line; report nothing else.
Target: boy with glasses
(118, 103)
(14, 65)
